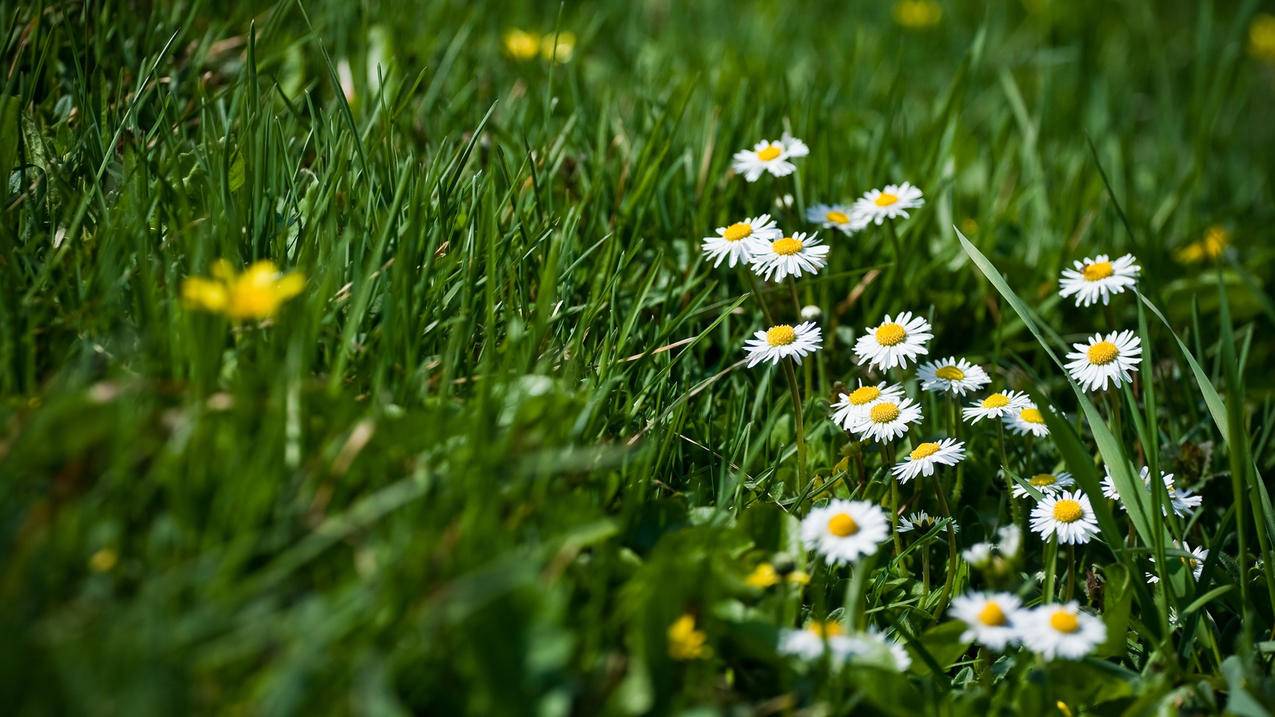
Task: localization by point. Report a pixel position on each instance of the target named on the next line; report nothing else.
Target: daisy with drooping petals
(996, 405)
(845, 530)
(1046, 483)
(893, 342)
(926, 456)
(767, 156)
(734, 243)
(1193, 557)
(1102, 360)
(952, 375)
(1010, 540)
(922, 521)
(892, 202)
(851, 406)
(784, 341)
(792, 256)
(1027, 419)
(833, 216)
(1061, 631)
(989, 618)
(1069, 516)
(1098, 278)
(1183, 501)
(887, 420)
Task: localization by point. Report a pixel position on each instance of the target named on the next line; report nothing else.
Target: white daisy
(784, 341)
(810, 642)
(792, 256)
(1183, 500)
(1068, 516)
(995, 405)
(979, 554)
(873, 648)
(811, 312)
(850, 407)
(923, 459)
(989, 618)
(1098, 278)
(1027, 419)
(844, 530)
(767, 156)
(1193, 557)
(733, 243)
(922, 521)
(1060, 631)
(1105, 360)
(833, 216)
(892, 202)
(1046, 483)
(893, 342)
(887, 420)
(952, 375)
(1010, 540)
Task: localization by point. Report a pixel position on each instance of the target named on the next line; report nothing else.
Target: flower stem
(894, 499)
(951, 548)
(799, 424)
(1015, 511)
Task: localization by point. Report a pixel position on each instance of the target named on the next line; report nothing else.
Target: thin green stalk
(894, 498)
(799, 425)
(1015, 511)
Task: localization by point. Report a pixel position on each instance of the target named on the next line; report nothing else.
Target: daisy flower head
(927, 456)
(1061, 631)
(979, 554)
(1046, 483)
(1194, 559)
(894, 342)
(847, 410)
(1105, 359)
(833, 216)
(1010, 540)
(784, 341)
(1098, 278)
(995, 405)
(873, 648)
(887, 420)
(892, 202)
(733, 243)
(922, 521)
(1067, 515)
(788, 256)
(844, 530)
(767, 156)
(989, 618)
(1027, 419)
(810, 642)
(952, 375)
(1183, 501)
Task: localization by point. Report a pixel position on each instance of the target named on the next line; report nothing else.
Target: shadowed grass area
(501, 439)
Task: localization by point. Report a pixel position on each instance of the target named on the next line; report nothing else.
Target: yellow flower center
(925, 450)
(826, 629)
(1063, 621)
(786, 246)
(884, 412)
(950, 373)
(1103, 352)
(1098, 270)
(996, 400)
(1032, 415)
(992, 615)
(838, 217)
(763, 576)
(780, 335)
(769, 153)
(1040, 480)
(890, 334)
(864, 394)
(842, 525)
(737, 231)
(885, 199)
(1067, 511)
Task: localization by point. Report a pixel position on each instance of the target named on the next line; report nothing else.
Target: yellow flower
(522, 45)
(558, 47)
(1261, 37)
(1063, 709)
(917, 14)
(1211, 246)
(799, 577)
(684, 641)
(762, 577)
(103, 560)
(255, 294)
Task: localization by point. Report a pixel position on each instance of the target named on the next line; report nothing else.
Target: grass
(504, 438)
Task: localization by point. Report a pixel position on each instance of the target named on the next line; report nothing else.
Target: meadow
(435, 357)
